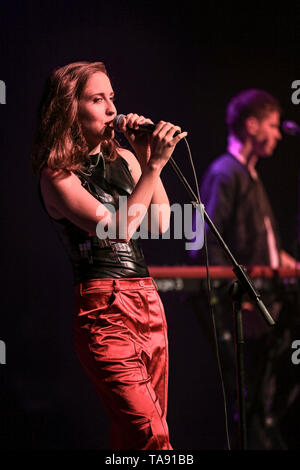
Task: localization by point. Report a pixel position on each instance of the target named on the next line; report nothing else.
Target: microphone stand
(241, 286)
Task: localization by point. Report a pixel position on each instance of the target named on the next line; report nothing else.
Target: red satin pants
(120, 337)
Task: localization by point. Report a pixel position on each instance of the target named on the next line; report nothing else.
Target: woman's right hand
(163, 143)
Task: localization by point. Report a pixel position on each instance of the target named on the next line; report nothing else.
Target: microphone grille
(118, 121)
(290, 127)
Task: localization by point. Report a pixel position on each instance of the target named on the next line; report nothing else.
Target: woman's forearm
(149, 190)
(158, 218)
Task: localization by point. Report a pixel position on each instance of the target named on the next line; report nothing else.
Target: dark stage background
(166, 61)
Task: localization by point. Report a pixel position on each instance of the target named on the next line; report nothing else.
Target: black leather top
(92, 258)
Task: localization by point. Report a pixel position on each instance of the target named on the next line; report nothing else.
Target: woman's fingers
(178, 137)
(134, 121)
(165, 131)
(131, 121)
(159, 126)
(164, 135)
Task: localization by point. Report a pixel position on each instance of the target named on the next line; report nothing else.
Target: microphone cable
(208, 278)
(208, 281)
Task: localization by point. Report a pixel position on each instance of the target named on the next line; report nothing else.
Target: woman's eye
(99, 99)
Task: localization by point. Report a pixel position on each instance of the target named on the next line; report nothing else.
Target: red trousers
(120, 337)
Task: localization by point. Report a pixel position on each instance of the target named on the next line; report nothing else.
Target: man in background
(236, 201)
(232, 191)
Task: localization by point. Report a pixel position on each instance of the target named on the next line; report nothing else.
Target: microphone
(118, 121)
(290, 128)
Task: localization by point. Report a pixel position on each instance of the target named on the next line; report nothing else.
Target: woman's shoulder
(126, 154)
(54, 177)
(49, 173)
(132, 163)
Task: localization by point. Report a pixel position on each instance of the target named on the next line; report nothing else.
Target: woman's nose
(111, 109)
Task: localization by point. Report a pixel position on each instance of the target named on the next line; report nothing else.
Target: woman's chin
(108, 133)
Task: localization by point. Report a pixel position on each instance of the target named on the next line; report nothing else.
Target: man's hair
(59, 141)
(248, 103)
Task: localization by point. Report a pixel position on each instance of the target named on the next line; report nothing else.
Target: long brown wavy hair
(59, 141)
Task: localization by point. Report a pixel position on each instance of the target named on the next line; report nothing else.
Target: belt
(108, 285)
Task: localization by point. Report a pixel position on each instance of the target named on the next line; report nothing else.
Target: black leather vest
(92, 258)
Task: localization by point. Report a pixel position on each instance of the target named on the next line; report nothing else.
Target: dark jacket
(237, 205)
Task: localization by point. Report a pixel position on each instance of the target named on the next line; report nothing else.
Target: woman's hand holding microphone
(152, 149)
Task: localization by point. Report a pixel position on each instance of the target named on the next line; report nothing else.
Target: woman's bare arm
(159, 206)
(63, 192)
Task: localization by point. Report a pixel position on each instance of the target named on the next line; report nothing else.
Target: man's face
(266, 134)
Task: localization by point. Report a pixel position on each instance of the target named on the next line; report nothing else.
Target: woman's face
(97, 110)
